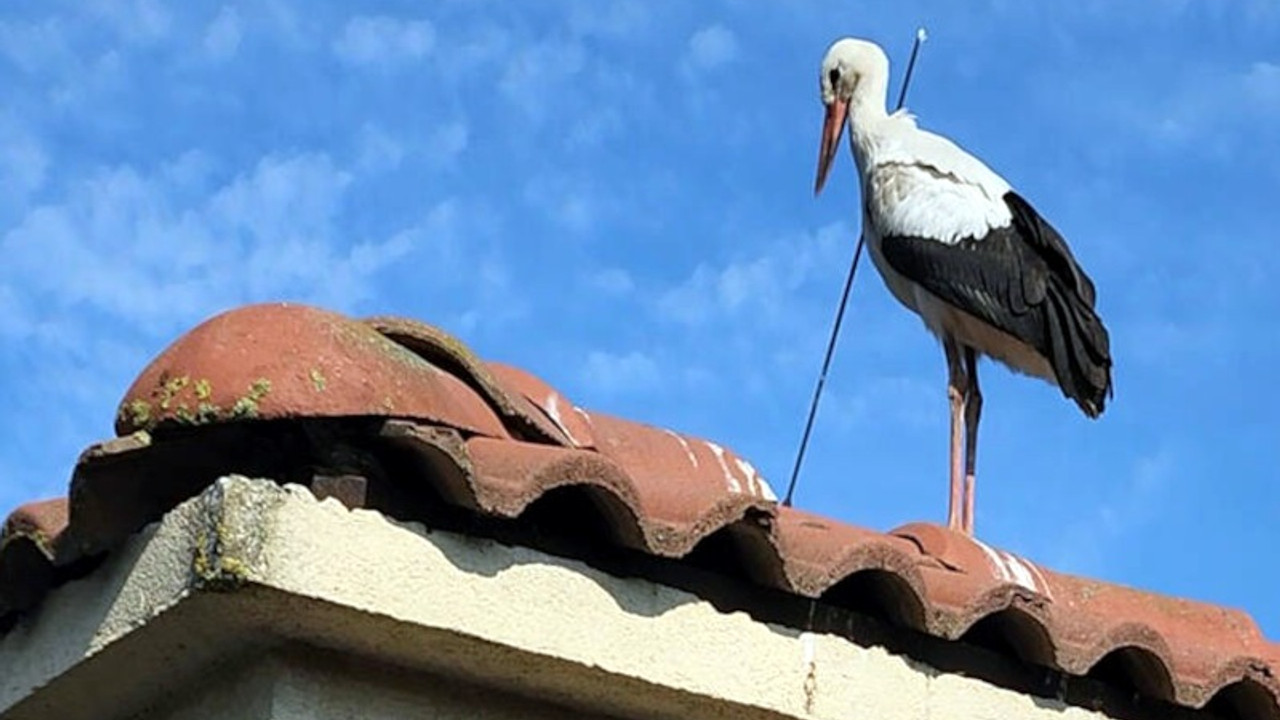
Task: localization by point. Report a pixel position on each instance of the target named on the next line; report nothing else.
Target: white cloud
(593, 128)
(537, 77)
(1262, 86)
(384, 40)
(447, 142)
(35, 47)
(1086, 543)
(222, 36)
(139, 21)
(1218, 112)
(757, 287)
(711, 47)
(468, 49)
(905, 401)
(377, 150)
(91, 83)
(609, 373)
(612, 281)
(121, 244)
(23, 163)
(617, 20)
(566, 201)
(494, 302)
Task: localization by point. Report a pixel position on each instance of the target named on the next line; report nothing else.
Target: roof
(398, 416)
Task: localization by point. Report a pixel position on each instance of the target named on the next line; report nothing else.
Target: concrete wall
(251, 568)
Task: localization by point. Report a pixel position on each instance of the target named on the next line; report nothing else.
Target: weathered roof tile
(281, 361)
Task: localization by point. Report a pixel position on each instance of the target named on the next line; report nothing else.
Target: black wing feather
(1023, 280)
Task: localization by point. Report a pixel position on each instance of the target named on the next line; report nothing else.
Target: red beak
(837, 114)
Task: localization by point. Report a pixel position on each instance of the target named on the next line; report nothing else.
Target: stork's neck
(866, 113)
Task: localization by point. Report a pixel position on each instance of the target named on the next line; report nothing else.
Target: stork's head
(850, 65)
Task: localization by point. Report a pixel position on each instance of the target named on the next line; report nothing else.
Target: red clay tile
(42, 521)
(444, 351)
(495, 440)
(1203, 647)
(283, 360)
(692, 486)
(28, 546)
(826, 559)
(509, 476)
(974, 557)
(820, 552)
(573, 422)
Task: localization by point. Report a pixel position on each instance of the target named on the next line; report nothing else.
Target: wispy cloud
(711, 47)
(447, 141)
(1086, 543)
(612, 281)
(222, 36)
(377, 150)
(383, 41)
(34, 46)
(1262, 86)
(904, 401)
(1216, 110)
(626, 19)
(24, 164)
(128, 244)
(567, 201)
(139, 21)
(607, 373)
(536, 76)
(760, 288)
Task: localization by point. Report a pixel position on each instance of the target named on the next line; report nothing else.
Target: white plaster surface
(291, 686)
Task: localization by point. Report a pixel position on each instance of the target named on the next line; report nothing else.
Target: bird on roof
(959, 247)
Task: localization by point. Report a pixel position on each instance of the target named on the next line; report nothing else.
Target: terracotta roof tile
(292, 392)
(28, 546)
(281, 361)
(572, 422)
(41, 522)
(506, 398)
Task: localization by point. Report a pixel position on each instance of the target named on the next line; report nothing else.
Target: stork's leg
(956, 384)
(972, 414)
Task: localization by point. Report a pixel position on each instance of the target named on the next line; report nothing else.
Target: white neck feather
(866, 113)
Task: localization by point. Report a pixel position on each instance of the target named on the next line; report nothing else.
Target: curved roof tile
(283, 360)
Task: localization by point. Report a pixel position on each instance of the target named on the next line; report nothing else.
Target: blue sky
(618, 197)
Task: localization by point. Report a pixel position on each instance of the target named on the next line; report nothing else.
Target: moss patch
(136, 414)
(246, 406)
(214, 568)
(170, 388)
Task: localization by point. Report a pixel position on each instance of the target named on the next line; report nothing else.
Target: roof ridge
(448, 353)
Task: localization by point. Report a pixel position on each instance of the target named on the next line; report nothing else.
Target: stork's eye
(834, 77)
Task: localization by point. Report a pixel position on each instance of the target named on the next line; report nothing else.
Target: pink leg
(955, 396)
(972, 414)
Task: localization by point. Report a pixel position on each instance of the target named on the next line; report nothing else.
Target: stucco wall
(298, 685)
(255, 565)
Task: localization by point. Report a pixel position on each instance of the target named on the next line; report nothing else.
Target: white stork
(955, 244)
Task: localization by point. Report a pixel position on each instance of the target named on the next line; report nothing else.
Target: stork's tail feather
(1079, 349)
